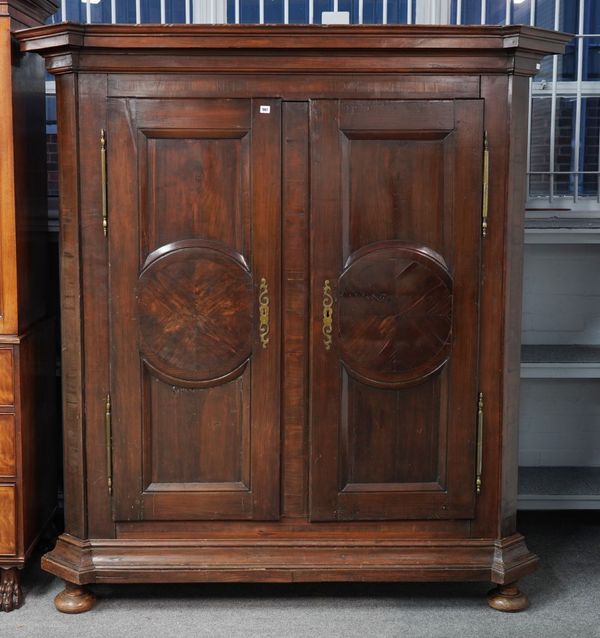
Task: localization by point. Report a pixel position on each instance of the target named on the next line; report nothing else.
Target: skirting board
(147, 561)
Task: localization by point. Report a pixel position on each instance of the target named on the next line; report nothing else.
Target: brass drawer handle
(263, 308)
(327, 315)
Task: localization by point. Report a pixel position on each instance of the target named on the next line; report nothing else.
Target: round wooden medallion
(195, 309)
(395, 313)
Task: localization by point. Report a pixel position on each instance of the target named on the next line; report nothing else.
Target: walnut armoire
(28, 420)
(291, 293)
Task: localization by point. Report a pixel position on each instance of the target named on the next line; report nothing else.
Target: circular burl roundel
(395, 313)
(195, 309)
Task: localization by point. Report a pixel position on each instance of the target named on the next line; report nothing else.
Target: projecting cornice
(293, 49)
(27, 13)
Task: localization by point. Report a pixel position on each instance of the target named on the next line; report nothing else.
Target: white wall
(560, 422)
(560, 418)
(561, 297)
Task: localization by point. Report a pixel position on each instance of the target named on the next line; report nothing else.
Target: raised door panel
(194, 202)
(396, 212)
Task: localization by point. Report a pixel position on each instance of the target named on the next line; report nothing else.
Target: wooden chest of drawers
(28, 421)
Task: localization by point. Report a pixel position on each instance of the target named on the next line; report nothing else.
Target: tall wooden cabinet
(291, 302)
(28, 421)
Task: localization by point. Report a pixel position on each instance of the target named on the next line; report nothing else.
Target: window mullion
(598, 167)
(553, 107)
(576, 163)
(530, 111)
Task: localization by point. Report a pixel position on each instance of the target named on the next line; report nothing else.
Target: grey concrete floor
(564, 594)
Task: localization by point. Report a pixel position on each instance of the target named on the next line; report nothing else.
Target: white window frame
(213, 11)
(432, 12)
(563, 205)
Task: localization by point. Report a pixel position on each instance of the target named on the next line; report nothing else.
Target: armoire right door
(396, 195)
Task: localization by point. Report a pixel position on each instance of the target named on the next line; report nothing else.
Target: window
(564, 141)
(565, 113)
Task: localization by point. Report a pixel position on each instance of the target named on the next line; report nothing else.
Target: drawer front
(7, 445)
(7, 384)
(8, 521)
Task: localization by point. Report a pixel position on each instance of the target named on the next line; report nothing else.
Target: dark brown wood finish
(393, 425)
(92, 108)
(74, 600)
(368, 49)
(507, 598)
(39, 441)
(507, 133)
(195, 390)
(74, 456)
(295, 245)
(368, 176)
(11, 594)
(28, 420)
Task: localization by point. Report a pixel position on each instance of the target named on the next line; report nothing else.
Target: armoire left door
(194, 270)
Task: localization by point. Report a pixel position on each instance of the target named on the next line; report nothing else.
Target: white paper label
(265, 109)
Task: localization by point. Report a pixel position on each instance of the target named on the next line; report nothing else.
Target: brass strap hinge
(479, 442)
(108, 428)
(104, 185)
(486, 185)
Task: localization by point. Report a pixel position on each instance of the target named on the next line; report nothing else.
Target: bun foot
(74, 599)
(11, 594)
(508, 598)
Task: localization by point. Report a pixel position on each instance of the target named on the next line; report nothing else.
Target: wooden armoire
(291, 292)
(28, 420)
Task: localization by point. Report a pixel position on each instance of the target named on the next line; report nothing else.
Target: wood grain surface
(290, 157)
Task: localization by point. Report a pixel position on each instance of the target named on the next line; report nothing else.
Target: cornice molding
(451, 49)
(27, 13)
